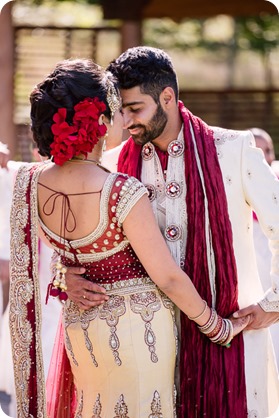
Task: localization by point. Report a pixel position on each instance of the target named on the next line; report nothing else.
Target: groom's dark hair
(149, 68)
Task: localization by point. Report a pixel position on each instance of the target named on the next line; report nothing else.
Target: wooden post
(131, 34)
(7, 127)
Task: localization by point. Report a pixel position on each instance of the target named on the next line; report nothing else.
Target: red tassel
(48, 292)
(63, 296)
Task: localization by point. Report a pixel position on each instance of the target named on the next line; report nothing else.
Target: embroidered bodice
(106, 252)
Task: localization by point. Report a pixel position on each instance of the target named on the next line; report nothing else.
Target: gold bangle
(194, 318)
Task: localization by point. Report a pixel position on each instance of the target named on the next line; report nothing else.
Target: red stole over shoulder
(212, 378)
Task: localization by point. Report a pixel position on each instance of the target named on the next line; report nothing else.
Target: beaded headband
(113, 97)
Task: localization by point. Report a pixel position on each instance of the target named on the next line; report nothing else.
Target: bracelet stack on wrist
(218, 330)
(194, 318)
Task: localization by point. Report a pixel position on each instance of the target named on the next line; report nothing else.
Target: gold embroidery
(89, 258)
(78, 413)
(71, 315)
(24, 290)
(111, 311)
(174, 401)
(129, 286)
(145, 304)
(156, 408)
(221, 136)
(121, 409)
(130, 193)
(97, 409)
(98, 232)
(85, 319)
(21, 215)
(41, 399)
(269, 306)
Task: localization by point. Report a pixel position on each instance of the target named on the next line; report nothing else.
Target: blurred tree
(259, 33)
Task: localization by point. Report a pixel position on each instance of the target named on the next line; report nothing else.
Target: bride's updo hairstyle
(70, 83)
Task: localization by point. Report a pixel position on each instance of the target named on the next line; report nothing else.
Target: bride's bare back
(82, 183)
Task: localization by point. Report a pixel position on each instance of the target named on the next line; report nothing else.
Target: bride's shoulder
(121, 179)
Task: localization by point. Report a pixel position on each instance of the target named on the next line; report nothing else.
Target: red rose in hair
(82, 136)
(61, 128)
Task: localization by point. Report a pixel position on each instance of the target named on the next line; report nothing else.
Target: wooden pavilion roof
(180, 9)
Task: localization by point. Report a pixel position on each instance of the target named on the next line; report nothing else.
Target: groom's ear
(167, 97)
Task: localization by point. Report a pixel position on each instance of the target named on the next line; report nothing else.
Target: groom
(203, 183)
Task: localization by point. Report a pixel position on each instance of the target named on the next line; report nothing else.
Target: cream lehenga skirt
(123, 353)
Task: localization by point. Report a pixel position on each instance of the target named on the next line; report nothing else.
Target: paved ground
(4, 402)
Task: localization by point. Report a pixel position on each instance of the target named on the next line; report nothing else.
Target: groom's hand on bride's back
(81, 291)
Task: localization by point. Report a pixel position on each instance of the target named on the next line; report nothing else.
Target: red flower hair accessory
(82, 135)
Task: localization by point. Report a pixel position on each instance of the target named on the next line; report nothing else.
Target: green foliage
(260, 33)
(167, 34)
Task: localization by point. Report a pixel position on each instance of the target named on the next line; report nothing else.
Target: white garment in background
(263, 256)
(250, 185)
(6, 182)
(110, 157)
(6, 192)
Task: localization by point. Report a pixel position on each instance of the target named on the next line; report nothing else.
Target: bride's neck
(97, 152)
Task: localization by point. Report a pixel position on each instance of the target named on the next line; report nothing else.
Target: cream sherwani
(250, 184)
(263, 256)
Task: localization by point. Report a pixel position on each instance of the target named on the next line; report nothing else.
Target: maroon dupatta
(25, 310)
